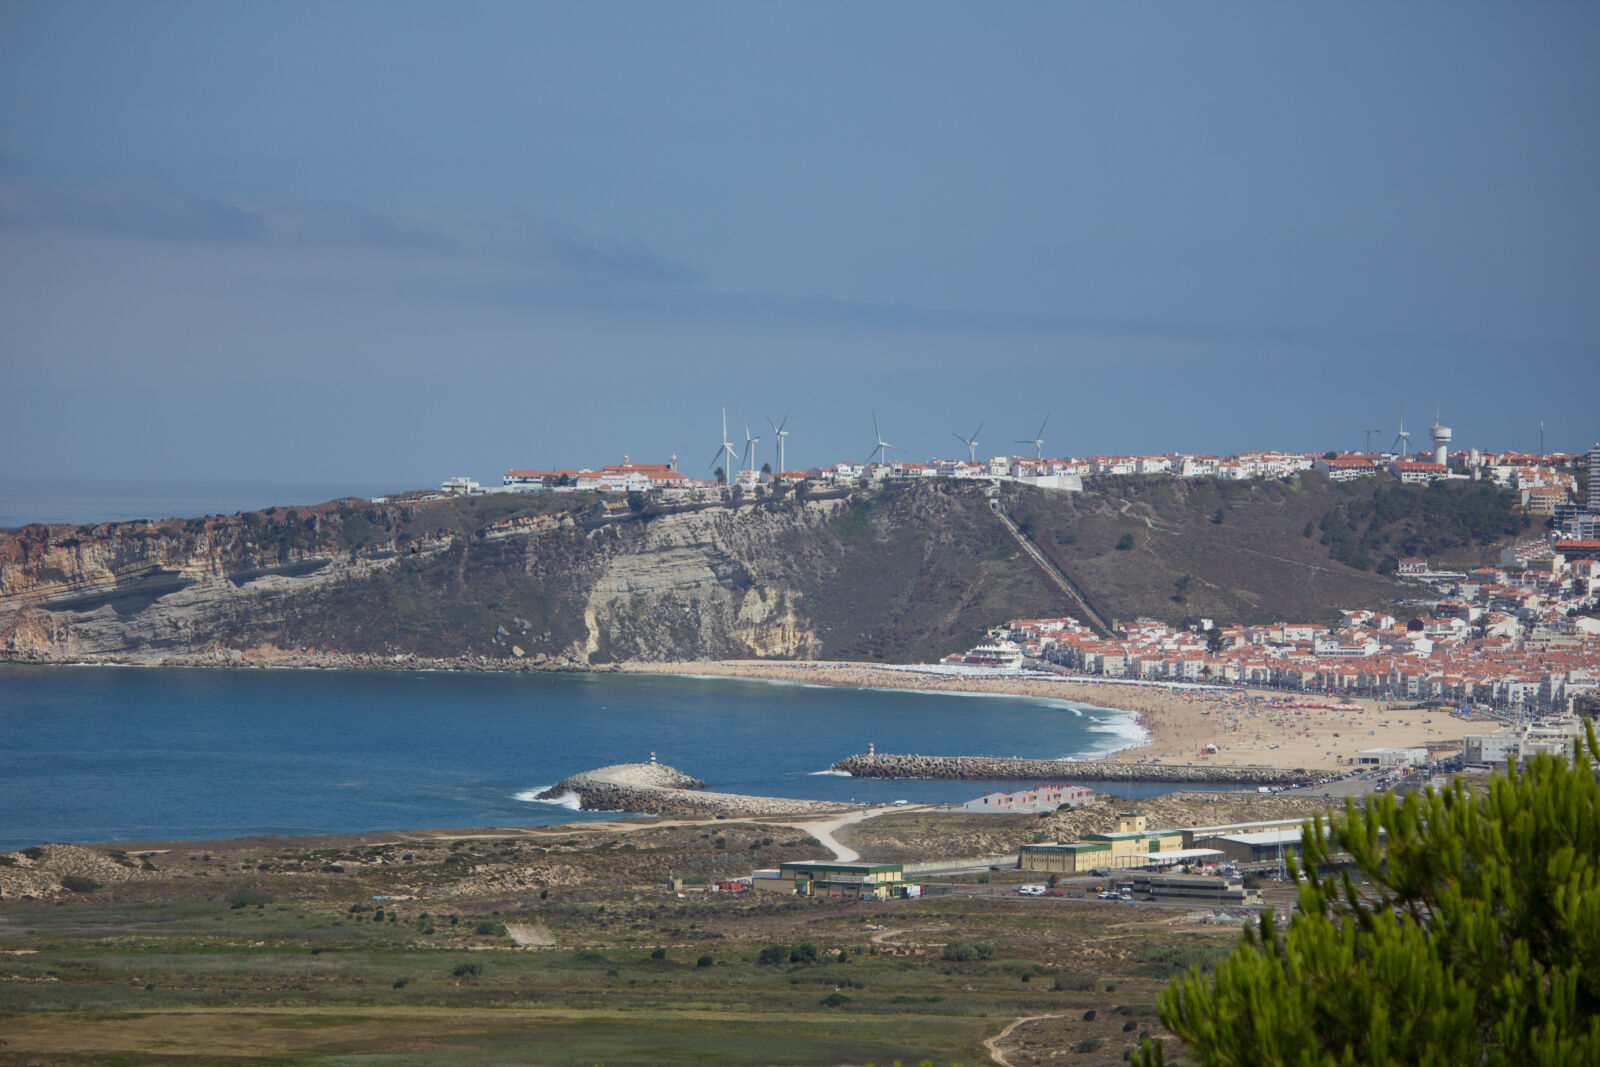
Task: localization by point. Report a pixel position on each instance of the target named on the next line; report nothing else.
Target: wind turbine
(970, 442)
(1403, 438)
(780, 433)
(1037, 441)
(882, 446)
(727, 447)
(749, 449)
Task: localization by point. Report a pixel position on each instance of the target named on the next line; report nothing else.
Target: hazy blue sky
(391, 242)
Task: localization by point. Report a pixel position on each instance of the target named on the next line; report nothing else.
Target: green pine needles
(1476, 939)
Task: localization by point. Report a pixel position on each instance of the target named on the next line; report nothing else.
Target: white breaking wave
(1127, 733)
(832, 773)
(568, 799)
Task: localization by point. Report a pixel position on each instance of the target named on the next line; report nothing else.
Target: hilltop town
(1546, 482)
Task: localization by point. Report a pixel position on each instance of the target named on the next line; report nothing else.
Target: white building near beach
(1039, 800)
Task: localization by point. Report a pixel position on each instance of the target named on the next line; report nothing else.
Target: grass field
(211, 958)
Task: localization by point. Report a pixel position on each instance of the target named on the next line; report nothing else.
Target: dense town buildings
(1514, 638)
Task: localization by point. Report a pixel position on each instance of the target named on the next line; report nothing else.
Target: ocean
(89, 500)
(100, 754)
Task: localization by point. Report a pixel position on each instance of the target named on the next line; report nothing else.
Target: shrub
(467, 970)
(1164, 960)
(966, 951)
(245, 898)
(773, 954)
(805, 952)
(486, 928)
(79, 884)
(659, 954)
(34, 852)
(1124, 542)
(1074, 983)
(1088, 1044)
(704, 961)
(835, 1000)
(1088, 1016)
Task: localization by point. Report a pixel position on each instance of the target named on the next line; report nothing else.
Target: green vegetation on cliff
(1395, 521)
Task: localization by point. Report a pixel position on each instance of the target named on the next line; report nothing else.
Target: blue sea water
(97, 754)
(25, 499)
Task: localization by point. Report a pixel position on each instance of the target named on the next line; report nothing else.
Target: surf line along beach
(1207, 725)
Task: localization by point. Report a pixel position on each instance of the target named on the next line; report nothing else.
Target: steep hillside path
(1051, 571)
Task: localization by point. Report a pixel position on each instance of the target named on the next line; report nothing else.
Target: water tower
(1441, 442)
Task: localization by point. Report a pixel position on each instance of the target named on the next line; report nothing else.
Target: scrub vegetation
(562, 945)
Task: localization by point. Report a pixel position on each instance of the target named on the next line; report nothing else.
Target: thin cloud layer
(544, 249)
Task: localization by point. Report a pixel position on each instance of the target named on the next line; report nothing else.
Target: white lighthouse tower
(1441, 442)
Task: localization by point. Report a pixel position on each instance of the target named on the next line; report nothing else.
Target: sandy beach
(1247, 726)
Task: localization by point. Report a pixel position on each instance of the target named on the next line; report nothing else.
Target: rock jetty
(884, 765)
(656, 789)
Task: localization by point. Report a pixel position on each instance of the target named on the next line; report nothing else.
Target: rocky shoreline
(656, 789)
(885, 765)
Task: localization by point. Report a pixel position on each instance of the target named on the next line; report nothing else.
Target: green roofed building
(869, 881)
(1072, 857)
(1132, 845)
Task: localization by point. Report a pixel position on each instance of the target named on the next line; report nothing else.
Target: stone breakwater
(880, 765)
(656, 789)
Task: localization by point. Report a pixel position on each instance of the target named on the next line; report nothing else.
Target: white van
(1031, 890)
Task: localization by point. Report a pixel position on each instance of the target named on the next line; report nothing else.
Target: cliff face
(907, 573)
(510, 581)
(181, 586)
